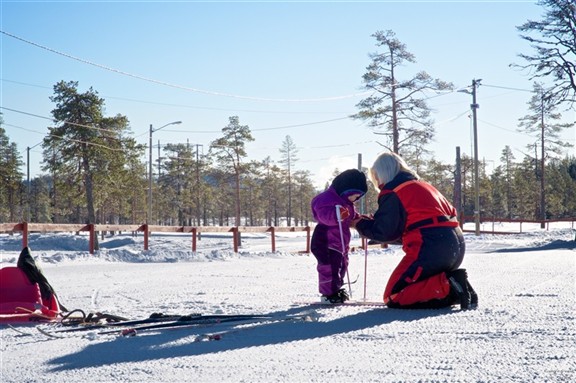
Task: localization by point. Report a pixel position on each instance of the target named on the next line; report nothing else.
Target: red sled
(25, 294)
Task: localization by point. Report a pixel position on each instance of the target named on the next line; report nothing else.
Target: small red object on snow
(128, 332)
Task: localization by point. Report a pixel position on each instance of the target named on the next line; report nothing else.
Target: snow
(522, 331)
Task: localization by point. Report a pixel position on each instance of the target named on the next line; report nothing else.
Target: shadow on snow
(554, 245)
(158, 346)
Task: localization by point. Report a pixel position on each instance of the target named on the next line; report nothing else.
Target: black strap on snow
(34, 273)
(69, 320)
(91, 318)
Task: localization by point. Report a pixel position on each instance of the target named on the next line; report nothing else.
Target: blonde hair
(386, 167)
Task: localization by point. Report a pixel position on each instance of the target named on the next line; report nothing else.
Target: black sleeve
(389, 220)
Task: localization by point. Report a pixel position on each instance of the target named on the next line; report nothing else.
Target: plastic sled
(22, 301)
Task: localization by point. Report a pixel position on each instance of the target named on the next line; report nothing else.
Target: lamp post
(474, 106)
(28, 180)
(152, 130)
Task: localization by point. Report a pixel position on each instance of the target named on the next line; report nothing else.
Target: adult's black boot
(459, 283)
(473, 295)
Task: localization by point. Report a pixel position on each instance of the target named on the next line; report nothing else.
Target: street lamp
(474, 106)
(149, 216)
(28, 180)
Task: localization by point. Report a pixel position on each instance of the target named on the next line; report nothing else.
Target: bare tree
(289, 153)
(554, 47)
(397, 108)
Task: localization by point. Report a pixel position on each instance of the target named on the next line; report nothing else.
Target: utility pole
(149, 215)
(475, 106)
(458, 186)
(152, 130)
(28, 182)
(543, 158)
(198, 187)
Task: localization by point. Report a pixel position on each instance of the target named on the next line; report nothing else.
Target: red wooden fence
(93, 229)
(25, 228)
(494, 221)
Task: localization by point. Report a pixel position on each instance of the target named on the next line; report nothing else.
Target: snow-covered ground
(522, 331)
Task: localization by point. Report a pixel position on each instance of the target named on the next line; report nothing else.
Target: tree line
(94, 171)
(193, 188)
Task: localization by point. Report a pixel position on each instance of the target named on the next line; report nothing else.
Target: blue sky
(285, 68)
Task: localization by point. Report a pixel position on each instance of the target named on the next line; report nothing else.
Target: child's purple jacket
(324, 212)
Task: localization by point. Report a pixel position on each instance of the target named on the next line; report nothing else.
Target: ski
(211, 321)
(347, 303)
(247, 324)
(49, 334)
(192, 322)
(119, 328)
(153, 319)
(22, 333)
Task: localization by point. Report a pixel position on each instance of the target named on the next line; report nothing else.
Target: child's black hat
(349, 182)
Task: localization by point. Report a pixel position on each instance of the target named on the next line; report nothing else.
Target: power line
(507, 88)
(27, 113)
(179, 105)
(196, 90)
(508, 130)
(67, 139)
(51, 119)
(180, 131)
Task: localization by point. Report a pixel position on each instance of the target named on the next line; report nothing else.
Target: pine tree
(271, 185)
(554, 45)
(230, 151)
(11, 188)
(397, 108)
(86, 152)
(542, 122)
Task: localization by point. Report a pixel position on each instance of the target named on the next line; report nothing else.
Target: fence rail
(493, 221)
(25, 228)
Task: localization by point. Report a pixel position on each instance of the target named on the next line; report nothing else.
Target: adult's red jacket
(416, 213)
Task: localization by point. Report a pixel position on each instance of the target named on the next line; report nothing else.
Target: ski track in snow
(522, 331)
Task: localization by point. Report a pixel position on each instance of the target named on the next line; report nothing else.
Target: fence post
(146, 233)
(194, 239)
(272, 231)
(92, 236)
(234, 231)
(24, 234)
(307, 239)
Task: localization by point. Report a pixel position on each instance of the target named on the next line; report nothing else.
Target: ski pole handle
(339, 209)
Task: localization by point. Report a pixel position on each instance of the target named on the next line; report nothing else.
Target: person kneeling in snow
(415, 212)
(331, 237)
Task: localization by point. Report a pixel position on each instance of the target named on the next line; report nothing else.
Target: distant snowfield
(523, 330)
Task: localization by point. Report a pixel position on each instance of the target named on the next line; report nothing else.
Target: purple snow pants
(332, 267)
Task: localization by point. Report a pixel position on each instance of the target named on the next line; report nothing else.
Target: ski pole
(365, 243)
(343, 246)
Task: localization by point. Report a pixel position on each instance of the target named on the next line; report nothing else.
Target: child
(412, 210)
(330, 235)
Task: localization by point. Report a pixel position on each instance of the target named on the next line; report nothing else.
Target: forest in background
(191, 188)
